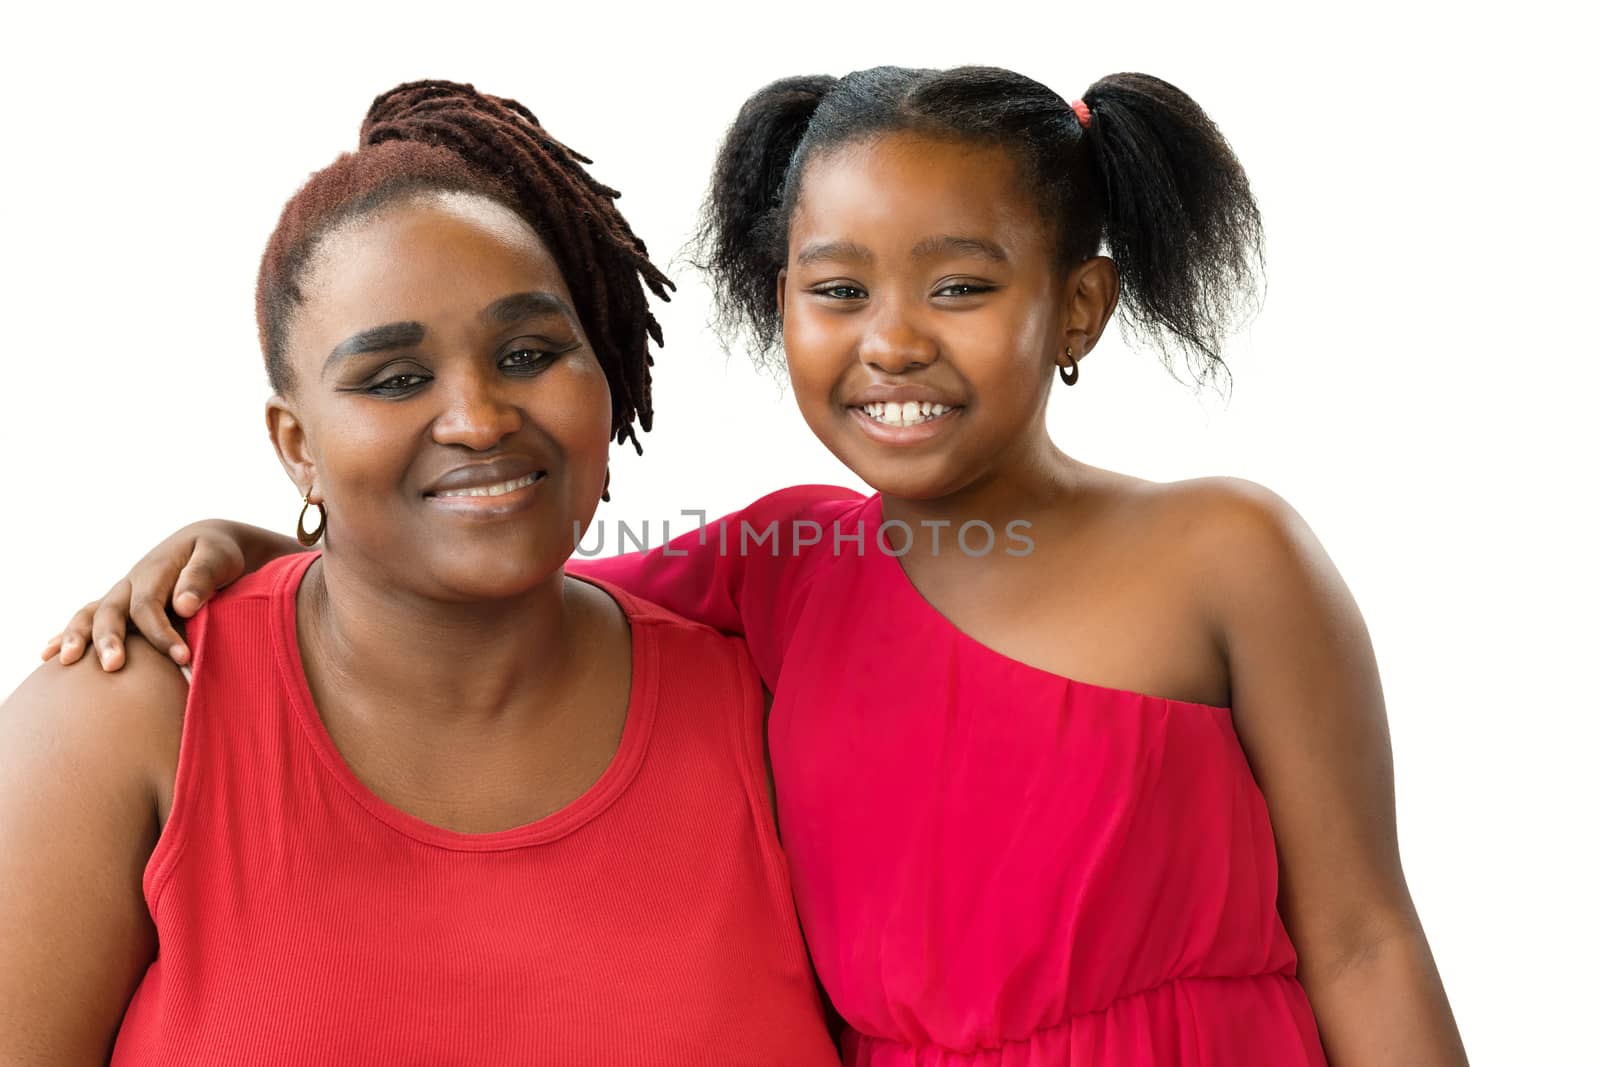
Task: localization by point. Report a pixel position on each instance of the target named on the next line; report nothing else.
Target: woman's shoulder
(116, 735)
(665, 631)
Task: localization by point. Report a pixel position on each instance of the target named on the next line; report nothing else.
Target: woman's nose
(477, 416)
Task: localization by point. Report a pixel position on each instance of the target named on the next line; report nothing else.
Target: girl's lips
(915, 434)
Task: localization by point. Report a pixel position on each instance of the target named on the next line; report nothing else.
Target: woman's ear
(1090, 290)
(289, 440)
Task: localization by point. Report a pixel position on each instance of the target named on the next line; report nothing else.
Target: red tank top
(302, 920)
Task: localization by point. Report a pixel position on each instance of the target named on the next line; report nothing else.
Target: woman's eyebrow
(378, 339)
(509, 310)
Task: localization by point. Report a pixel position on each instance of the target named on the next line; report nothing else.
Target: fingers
(74, 638)
(148, 611)
(110, 628)
(210, 566)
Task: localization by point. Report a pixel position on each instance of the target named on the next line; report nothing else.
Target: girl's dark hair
(1150, 179)
(437, 136)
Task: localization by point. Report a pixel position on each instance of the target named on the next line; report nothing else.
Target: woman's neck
(439, 661)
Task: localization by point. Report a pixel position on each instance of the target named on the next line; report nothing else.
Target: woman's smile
(490, 489)
(492, 501)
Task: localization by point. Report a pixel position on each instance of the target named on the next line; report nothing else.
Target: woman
(423, 798)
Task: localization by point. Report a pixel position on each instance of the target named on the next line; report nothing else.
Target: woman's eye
(396, 384)
(526, 359)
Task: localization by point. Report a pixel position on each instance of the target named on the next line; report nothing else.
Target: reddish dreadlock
(444, 136)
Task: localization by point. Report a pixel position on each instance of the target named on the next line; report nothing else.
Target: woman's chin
(470, 577)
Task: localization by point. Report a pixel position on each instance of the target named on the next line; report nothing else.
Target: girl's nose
(894, 344)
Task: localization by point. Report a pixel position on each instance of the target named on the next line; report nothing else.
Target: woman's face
(920, 271)
(446, 406)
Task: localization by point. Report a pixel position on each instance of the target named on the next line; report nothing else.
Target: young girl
(1029, 717)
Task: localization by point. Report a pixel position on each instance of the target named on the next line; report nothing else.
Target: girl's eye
(527, 359)
(397, 384)
(841, 292)
(964, 289)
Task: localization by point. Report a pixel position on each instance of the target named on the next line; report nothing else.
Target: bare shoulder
(1242, 554)
(123, 728)
(1233, 532)
(86, 754)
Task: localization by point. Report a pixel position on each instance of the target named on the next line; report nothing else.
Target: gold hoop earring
(311, 537)
(1069, 370)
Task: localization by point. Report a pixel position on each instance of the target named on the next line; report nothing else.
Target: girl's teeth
(494, 490)
(909, 413)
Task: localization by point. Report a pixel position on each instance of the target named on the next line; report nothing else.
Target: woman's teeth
(500, 489)
(910, 413)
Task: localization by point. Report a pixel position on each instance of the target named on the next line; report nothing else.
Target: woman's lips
(489, 501)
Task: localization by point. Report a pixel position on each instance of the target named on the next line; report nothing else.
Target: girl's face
(446, 406)
(922, 277)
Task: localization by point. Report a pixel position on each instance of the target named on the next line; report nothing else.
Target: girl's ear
(1091, 290)
(289, 439)
(783, 278)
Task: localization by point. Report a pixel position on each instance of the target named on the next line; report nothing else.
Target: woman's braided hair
(444, 136)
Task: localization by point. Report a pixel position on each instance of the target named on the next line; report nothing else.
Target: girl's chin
(909, 479)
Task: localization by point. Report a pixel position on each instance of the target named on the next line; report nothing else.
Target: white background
(1419, 384)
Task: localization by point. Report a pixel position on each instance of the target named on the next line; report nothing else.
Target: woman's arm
(1309, 711)
(185, 570)
(79, 804)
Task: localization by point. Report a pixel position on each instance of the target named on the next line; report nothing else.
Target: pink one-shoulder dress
(994, 866)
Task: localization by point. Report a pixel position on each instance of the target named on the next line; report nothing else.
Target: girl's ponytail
(1180, 220)
(741, 239)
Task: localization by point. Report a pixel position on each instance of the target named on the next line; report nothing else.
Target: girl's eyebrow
(952, 245)
(833, 251)
(927, 248)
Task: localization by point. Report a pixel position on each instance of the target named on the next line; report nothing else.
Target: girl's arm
(736, 574)
(1309, 711)
(185, 570)
(78, 822)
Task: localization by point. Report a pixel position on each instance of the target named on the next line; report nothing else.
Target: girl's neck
(1023, 488)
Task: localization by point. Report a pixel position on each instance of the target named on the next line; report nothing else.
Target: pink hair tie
(1080, 109)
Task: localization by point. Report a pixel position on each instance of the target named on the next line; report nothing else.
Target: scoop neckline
(873, 506)
(601, 794)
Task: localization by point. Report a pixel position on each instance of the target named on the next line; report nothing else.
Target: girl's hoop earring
(311, 537)
(1069, 369)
